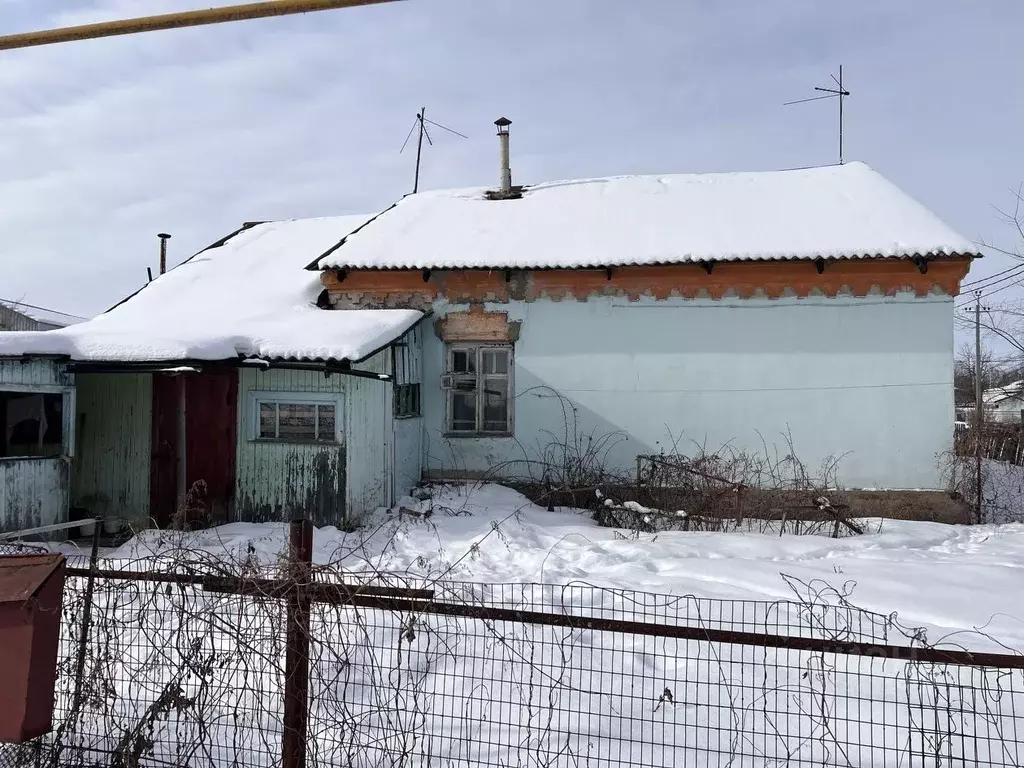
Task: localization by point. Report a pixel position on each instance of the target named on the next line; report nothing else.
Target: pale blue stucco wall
(869, 378)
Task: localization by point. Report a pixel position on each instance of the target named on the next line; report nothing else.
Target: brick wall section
(416, 288)
(477, 325)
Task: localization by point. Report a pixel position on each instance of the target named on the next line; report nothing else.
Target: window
(407, 401)
(296, 418)
(31, 424)
(478, 381)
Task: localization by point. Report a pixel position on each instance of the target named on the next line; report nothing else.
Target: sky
(105, 143)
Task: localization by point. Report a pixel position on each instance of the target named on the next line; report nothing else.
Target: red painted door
(211, 415)
(163, 472)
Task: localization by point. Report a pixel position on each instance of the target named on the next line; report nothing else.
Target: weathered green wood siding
(35, 491)
(111, 470)
(277, 481)
(41, 373)
(333, 484)
(369, 428)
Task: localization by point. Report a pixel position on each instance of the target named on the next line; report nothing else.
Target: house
(18, 316)
(220, 388)
(604, 319)
(571, 325)
(1005, 405)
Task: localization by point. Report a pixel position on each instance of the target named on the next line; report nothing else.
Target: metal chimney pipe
(164, 237)
(506, 171)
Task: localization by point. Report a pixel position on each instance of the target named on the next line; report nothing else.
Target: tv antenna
(831, 93)
(421, 123)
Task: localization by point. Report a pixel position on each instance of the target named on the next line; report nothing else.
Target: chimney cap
(163, 236)
(503, 122)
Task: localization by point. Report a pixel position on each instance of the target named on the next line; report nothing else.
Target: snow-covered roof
(50, 317)
(1015, 389)
(838, 212)
(249, 296)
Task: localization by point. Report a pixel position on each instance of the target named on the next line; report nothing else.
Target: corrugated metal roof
(832, 212)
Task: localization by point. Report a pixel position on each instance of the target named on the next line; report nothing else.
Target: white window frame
(258, 398)
(449, 377)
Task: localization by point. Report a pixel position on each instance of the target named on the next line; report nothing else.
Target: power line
(15, 304)
(986, 292)
(971, 284)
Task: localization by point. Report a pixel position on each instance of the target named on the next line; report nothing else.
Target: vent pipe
(506, 171)
(164, 237)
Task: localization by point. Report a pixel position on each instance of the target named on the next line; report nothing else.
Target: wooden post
(296, 663)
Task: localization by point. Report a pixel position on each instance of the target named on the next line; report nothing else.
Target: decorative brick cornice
(773, 279)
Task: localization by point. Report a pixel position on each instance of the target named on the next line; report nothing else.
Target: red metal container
(31, 595)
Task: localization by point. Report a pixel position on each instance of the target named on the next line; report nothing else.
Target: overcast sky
(105, 143)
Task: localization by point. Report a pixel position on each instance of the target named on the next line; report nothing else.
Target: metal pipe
(176, 21)
(506, 170)
(164, 237)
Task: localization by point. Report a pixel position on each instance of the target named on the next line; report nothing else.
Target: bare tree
(1003, 321)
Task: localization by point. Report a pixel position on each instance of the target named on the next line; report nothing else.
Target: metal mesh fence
(510, 674)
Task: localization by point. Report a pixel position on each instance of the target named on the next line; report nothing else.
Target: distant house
(1005, 404)
(220, 388)
(18, 316)
(572, 324)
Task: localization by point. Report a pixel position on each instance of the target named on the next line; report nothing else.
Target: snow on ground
(946, 578)
(398, 689)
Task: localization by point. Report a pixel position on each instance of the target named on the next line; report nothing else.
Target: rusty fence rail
(198, 663)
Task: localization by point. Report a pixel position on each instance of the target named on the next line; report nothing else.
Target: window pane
(463, 361)
(463, 411)
(496, 405)
(34, 424)
(296, 422)
(325, 425)
(268, 420)
(495, 360)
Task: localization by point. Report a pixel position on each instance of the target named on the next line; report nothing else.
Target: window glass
(296, 421)
(463, 411)
(325, 423)
(496, 405)
(494, 360)
(268, 420)
(479, 389)
(464, 361)
(31, 424)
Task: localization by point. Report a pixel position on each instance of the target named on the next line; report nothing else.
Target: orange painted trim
(773, 279)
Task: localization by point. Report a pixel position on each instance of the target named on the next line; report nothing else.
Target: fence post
(296, 661)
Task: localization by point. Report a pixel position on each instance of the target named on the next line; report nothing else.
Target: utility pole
(979, 411)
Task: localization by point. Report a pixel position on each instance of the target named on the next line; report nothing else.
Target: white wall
(1006, 411)
(871, 378)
